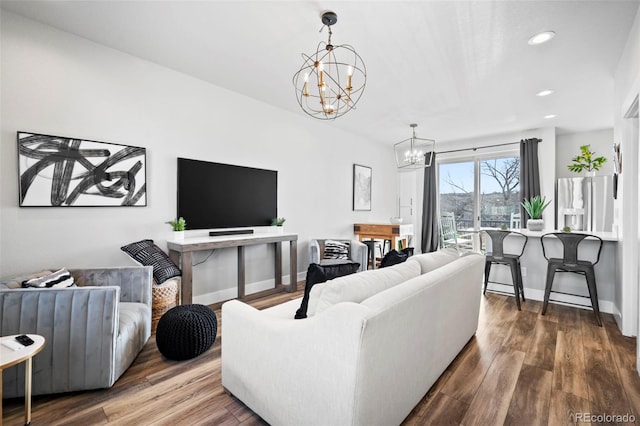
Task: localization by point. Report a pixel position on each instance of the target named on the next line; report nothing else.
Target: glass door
(499, 194)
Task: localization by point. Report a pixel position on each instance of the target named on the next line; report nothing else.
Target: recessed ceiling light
(545, 92)
(542, 37)
(550, 116)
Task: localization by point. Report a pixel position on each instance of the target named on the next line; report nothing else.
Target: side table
(9, 358)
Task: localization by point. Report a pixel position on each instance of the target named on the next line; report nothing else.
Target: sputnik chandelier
(415, 152)
(331, 80)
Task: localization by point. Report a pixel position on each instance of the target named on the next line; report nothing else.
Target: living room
(66, 82)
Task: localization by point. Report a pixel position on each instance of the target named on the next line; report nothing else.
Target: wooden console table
(383, 231)
(181, 253)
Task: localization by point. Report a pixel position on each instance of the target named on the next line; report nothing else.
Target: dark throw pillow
(393, 258)
(319, 274)
(149, 254)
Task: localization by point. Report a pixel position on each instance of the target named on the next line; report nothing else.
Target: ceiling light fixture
(550, 116)
(414, 153)
(542, 37)
(545, 92)
(332, 79)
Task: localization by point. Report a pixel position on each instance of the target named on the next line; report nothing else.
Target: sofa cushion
(335, 250)
(58, 279)
(320, 273)
(430, 261)
(147, 253)
(360, 286)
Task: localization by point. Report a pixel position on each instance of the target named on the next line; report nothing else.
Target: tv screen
(215, 195)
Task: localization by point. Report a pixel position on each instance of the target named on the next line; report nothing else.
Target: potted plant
(586, 161)
(534, 208)
(178, 226)
(278, 222)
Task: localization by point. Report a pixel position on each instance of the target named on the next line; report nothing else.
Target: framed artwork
(56, 171)
(361, 187)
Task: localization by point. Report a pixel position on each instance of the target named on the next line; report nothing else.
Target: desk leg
(27, 391)
(278, 265)
(293, 266)
(241, 276)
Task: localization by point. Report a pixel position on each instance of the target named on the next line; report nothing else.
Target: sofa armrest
(314, 252)
(359, 253)
(314, 359)
(79, 326)
(134, 281)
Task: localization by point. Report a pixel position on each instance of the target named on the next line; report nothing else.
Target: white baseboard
(232, 293)
(606, 306)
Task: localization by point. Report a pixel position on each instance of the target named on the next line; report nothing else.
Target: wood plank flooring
(521, 368)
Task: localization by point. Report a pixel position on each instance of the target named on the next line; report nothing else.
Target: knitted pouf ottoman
(186, 331)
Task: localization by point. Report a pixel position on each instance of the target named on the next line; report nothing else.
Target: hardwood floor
(521, 368)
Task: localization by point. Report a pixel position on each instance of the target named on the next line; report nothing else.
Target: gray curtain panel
(529, 172)
(430, 232)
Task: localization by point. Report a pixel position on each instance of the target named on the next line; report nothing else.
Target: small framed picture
(361, 187)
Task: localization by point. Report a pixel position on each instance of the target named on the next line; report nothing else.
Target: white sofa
(372, 346)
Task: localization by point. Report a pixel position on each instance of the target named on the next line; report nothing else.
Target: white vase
(178, 235)
(278, 229)
(578, 201)
(535, 224)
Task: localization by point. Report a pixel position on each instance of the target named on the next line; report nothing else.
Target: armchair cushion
(147, 253)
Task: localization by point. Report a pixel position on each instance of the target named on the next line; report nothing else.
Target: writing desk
(181, 253)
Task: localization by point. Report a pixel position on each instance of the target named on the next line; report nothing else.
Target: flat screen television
(215, 195)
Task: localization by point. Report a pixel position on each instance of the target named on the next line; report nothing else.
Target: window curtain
(529, 173)
(430, 232)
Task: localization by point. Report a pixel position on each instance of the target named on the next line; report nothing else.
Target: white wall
(626, 90)
(568, 146)
(56, 83)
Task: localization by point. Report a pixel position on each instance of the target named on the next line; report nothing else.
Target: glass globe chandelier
(331, 81)
(415, 152)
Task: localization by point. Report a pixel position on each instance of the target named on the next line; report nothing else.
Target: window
(481, 192)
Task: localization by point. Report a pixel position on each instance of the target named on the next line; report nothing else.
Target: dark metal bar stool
(371, 246)
(570, 263)
(497, 255)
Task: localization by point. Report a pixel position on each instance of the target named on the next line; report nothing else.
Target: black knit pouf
(186, 331)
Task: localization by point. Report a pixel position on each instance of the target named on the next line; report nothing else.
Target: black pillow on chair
(319, 274)
(149, 254)
(393, 258)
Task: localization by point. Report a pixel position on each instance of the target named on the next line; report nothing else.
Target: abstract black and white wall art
(57, 171)
(361, 187)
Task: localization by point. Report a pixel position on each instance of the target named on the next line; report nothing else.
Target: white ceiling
(457, 68)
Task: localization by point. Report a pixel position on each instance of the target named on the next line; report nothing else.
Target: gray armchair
(93, 332)
(357, 253)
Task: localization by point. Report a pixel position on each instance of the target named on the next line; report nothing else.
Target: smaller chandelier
(414, 153)
(331, 80)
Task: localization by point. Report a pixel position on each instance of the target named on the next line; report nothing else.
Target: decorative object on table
(414, 153)
(362, 177)
(586, 161)
(617, 168)
(566, 229)
(186, 331)
(534, 208)
(332, 79)
(278, 223)
(56, 171)
(178, 226)
(504, 227)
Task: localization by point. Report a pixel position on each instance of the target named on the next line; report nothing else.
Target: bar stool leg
(593, 294)
(487, 270)
(516, 283)
(551, 272)
(520, 280)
